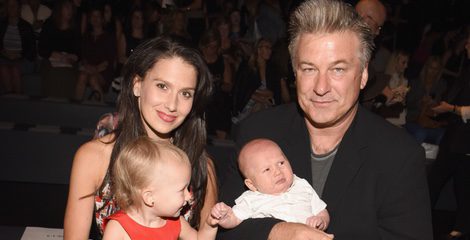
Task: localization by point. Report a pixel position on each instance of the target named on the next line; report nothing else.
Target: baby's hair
(259, 142)
(135, 165)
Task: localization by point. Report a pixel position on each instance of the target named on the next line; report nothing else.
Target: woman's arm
(211, 193)
(88, 170)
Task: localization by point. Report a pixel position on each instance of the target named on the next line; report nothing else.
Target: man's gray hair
(329, 16)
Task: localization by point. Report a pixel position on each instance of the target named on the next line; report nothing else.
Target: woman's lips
(165, 117)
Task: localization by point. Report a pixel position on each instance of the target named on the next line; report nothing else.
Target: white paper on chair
(39, 233)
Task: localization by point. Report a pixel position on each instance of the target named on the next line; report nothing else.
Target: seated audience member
(374, 14)
(134, 33)
(175, 26)
(97, 58)
(219, 108)
(154, 19)
(274, 191)
(453, 159)
(425, 93)
(252, 90)
(16, 46)
(35, 14)
(393, 106)
(371, 174)
(112, 23)
(59, 46)
(151, 185)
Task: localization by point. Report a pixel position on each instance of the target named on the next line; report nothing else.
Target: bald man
(374, 14)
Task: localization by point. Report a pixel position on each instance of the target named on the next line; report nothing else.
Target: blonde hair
(393, 61)
(397, 78)
(329, 16)
(135, 165)
(423, 75)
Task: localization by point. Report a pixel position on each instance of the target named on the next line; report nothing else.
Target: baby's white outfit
(298, 203)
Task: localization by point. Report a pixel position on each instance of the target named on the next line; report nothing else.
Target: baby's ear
(250, 185)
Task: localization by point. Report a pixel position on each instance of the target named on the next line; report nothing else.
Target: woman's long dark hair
(191, 135)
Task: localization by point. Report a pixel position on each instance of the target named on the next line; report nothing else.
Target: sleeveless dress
(170, 231)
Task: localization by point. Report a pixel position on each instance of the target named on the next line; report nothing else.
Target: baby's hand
(220, 210)
(316, 222)
(218, 213)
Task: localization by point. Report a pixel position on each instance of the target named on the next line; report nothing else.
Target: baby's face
(271, 172)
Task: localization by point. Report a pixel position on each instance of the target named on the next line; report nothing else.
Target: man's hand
(297, 231)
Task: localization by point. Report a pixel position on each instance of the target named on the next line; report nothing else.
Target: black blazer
(376, 188)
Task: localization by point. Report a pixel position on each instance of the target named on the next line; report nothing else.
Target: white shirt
(296, 205)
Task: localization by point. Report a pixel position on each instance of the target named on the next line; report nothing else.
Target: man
(370, 174)
(374, 14)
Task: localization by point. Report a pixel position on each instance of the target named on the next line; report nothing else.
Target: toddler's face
(170, 188)
(271, 172)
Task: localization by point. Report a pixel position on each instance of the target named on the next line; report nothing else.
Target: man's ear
(365, 76)
(250, 185)
(148, 198)
(137, 86)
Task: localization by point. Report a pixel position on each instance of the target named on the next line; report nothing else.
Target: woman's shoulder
(96, 150)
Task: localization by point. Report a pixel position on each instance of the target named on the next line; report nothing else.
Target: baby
(274, 191)
(151, 182)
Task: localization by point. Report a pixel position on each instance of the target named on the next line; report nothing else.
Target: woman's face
(137, 20)
(264, 50)
(165, 95)
(224, 29)
(235, 18)
(107, 13)
(67, 12)
(96, 19)
(402, 63)
(433, 69)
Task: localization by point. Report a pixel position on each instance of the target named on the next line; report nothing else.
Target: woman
(394, 93)
(98, 58)
(453, 159)
(164, 93)
(59, 46)
(16, 45)
(218, 111)
(253, 89)
(425, 92)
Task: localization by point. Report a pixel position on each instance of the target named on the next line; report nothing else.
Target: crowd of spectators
(78, 47)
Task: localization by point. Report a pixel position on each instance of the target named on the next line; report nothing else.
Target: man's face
(329, 76)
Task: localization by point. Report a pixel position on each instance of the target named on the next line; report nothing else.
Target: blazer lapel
(346, 164)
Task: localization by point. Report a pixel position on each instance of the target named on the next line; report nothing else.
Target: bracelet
(455, 108)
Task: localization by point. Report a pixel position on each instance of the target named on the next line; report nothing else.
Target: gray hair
(329, 16)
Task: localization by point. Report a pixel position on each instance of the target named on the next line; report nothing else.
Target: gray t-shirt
(321, 165)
